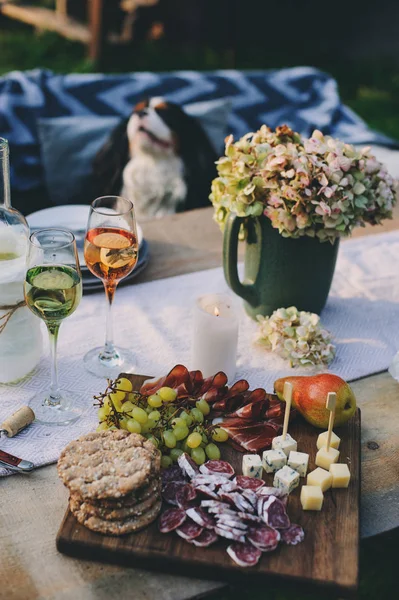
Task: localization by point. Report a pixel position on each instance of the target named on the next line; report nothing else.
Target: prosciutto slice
(251, 436)
(189, 384)
(177, 377)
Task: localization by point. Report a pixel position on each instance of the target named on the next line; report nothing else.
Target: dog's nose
(142, 113)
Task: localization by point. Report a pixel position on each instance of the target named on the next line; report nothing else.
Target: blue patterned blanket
(303, 97)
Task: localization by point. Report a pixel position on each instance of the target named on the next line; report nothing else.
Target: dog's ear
(199, 162)
(109, 162)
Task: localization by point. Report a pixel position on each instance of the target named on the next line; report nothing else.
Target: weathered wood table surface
(32, 507)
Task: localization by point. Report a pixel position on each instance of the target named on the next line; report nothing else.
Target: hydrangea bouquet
(318, 187)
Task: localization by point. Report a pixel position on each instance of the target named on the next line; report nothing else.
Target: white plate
(70, 216)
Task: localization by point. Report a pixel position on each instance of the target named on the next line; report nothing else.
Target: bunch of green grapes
(174, 426)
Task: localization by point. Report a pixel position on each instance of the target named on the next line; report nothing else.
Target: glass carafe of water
(20, 334)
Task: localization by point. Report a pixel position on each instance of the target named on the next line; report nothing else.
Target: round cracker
(153, 488)
(122, 527)
(108, 464)
(113, 514)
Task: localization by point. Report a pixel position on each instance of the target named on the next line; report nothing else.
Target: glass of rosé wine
(111, 252)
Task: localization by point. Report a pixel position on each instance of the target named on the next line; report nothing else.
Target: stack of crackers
(114, 481)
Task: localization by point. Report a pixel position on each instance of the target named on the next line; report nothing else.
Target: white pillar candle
(215, 335)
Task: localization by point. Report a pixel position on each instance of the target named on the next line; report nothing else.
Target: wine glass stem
(109, 350)
(55, 395)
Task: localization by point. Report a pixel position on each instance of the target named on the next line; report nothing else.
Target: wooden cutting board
(329, 555)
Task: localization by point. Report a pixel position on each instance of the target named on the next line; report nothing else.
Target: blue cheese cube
(299, 462)
(273, 460)
(252, 466)
(286, 479)
(285, 445)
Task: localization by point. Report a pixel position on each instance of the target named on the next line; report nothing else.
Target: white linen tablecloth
(155, 320)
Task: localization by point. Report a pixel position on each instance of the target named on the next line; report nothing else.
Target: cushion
(69, 144)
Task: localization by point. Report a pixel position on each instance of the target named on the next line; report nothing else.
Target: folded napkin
(155, 320)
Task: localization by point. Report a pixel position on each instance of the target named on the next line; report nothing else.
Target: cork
(18, 421)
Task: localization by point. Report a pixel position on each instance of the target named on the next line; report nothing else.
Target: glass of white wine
(53, 290)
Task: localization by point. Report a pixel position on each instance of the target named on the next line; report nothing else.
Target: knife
(11, 426)
(14, 463)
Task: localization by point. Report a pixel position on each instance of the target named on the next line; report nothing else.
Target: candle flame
(216, 311)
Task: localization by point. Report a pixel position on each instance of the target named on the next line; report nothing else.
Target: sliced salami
(208, 491)
(230, 521)
(251, 497)
(263, 537)
(213, 504)
(189, 530)
(227, 497)
(249, 483)
(274, 513)
(172, 473)
(206, 538)
(229, 534)
(185, 496)
(259, 505)
(248, 517)
(170, 490)
(242, 503)
(233, 530)
(215, 480)
(229, 486)
(188, 466)
(271, 491)
(293, 535)
(198, 515)
(244, 555)
(171, 519)
(223, 511)
(221, 467)
(277, 493)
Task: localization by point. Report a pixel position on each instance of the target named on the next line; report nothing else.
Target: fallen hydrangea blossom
(296, 336)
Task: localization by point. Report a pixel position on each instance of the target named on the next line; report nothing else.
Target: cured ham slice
(251, 436)
(217, 382)
(188, 384)
(178, 376)
(232, 399)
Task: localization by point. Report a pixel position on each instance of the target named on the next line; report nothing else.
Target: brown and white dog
(159, 158)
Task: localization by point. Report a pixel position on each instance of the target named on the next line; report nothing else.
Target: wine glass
(111, 251)
(53, 290)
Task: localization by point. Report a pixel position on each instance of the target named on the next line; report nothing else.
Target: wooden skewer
(287, 393)
(330, 405)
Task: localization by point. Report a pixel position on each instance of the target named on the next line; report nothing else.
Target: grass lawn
(370, 88)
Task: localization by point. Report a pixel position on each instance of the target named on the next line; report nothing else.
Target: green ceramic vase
(279, 272)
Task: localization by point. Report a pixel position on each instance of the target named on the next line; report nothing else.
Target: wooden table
(32, 507)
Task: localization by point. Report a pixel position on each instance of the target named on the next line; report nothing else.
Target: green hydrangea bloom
(319, 187)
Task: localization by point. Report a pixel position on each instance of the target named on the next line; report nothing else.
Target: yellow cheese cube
(322, 440)
(311, 497)
(340, 475)
(324, 459)
(320, 478)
